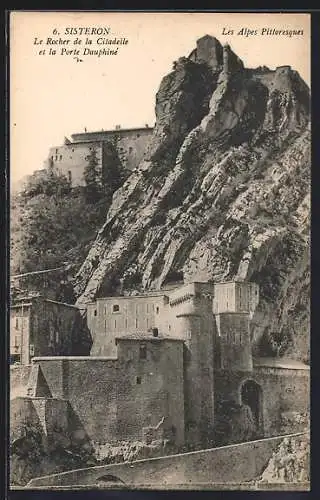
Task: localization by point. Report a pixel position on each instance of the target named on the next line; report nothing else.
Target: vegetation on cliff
(53, 224)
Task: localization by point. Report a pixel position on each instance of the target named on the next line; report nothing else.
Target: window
(138, 135)
(115, 308)
(56, 151)
(16, 341)
(115, 324)
(126, 323)
(143, 352)
(130, 149)
(60, 157)
(138, 380)
(17, 322)
(95, 312)
(157, 310)
(136, 322)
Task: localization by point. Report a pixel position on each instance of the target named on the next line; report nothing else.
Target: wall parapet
(75, 358)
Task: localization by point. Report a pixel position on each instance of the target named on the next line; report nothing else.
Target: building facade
(43, 327)
(71, 158)
(174, 365)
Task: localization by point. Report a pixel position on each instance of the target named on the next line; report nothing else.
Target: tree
(92, 176)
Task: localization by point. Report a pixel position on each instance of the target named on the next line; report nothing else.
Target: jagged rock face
(222, 193)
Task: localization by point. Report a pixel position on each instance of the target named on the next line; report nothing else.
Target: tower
(234, 304)
(195, 325)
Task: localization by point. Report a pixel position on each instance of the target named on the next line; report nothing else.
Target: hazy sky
(53, 96)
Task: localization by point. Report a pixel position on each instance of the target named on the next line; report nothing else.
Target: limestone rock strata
(222, 193)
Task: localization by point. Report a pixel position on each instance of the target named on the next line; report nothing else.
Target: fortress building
(171, 365)
(72, 157)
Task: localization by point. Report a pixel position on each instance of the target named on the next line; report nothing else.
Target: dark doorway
(251, 395)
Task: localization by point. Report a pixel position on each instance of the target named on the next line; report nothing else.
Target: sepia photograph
(160, 179)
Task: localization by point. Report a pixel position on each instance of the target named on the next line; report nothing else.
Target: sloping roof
(286, 363)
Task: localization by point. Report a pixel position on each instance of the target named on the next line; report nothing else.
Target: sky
(53, 95)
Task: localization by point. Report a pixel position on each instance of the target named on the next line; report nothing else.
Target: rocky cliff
(222, 193)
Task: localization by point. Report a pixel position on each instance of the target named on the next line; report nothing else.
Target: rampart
(116, 398)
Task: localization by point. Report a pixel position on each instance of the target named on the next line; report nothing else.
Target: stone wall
(113, 399)
(234, 341)
(282, 390)
(49, 415)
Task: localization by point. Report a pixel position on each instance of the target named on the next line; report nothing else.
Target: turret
(234, 304)
(192, 305)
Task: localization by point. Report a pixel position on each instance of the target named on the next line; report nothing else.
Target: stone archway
(251, 396)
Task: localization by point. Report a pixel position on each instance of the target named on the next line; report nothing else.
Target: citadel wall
(282, 390)
(113, 317)
(115, 399)
(71, 158)
(234, 341)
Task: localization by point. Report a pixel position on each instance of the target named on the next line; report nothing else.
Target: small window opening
(138, 380)
(143, 352)
(95, 312)
(157, 310)
(155, 332)
(17, 322)
(116, 308)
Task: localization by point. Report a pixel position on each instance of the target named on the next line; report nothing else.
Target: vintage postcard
(159, 250)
